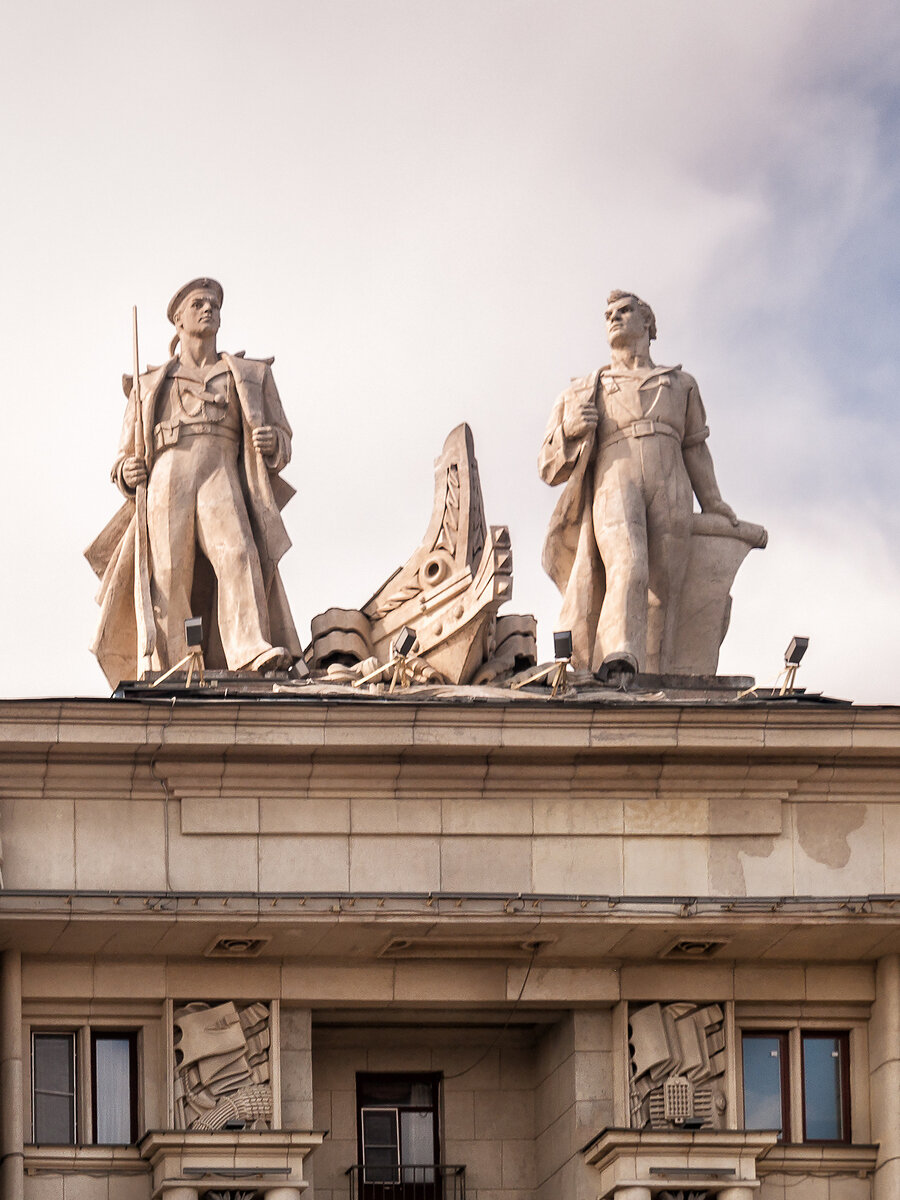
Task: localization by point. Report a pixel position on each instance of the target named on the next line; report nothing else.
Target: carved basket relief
(222, 1065)
(677, 1060)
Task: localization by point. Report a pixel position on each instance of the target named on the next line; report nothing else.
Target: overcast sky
(418, 207)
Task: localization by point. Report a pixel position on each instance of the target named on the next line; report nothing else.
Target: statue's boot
(618, 669)
(276, 658)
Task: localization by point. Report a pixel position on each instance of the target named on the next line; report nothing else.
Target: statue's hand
(722, 509)
(265, 439)
(580, 419)
(134, 472)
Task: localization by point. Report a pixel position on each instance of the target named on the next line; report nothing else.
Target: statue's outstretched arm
(701, 472)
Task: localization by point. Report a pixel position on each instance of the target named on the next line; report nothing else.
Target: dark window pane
(764, 1058)
(54, 1119)
(380, 1127)
(53, 1087)
(113, 1089)
(823, 1087)
(421, 1095)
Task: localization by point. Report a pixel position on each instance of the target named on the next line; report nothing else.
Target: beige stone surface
(486, 865)
(412, 864)
(587, 865)
(389, 815)
(663, 866)
(38, 842)
(839, 849)
(645, 583)
(279, 814)
(119, 845)
(315, 864)
(228, 814)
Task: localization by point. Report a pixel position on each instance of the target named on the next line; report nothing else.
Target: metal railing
(433, 1181)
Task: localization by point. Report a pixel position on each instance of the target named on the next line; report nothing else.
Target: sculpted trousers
(643, 504)
(194, 498)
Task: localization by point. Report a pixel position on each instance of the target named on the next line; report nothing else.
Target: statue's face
(199, 314)
(625, 323)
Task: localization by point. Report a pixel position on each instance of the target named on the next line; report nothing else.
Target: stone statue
(629, 443)
(205, 436)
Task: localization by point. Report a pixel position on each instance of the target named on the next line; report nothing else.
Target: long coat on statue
(112, 554)
(570, 555)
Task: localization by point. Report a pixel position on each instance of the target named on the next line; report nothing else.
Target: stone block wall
(573, 1100)
(296, 1068)
(488, 1118)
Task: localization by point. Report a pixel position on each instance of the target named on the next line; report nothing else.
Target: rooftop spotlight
(404, 642)
(193, 660)
(562, 645)
(401, 646)
(792, 657)
(193, 632)
(562, 650)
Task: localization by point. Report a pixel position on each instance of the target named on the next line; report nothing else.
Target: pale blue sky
(419, 208)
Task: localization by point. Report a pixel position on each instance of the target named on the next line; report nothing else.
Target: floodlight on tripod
(792, 658)
(401, 648)
(562, 652)
(193, 660)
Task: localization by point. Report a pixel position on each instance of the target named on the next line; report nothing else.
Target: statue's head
(195, 308)
(628, 316)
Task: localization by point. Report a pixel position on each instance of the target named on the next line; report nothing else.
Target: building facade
(392, 948)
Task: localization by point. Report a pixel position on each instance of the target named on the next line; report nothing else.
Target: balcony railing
(430, 1182)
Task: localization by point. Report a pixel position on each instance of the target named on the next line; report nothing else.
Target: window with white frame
(84, 1086)
(797, 1080)
(398, 1132)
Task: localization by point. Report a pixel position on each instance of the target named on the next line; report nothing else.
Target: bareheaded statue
(630, 444)
(200, 533)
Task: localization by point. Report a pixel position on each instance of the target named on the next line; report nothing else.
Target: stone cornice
(822, 732)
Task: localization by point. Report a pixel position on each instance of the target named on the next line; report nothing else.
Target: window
(826, 1087)
(398, 1135)
(766, 1082)
(53, 1087)
(113, 1088)
(58, 1081)
(797, 1080)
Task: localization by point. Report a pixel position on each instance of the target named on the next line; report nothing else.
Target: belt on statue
(639, 429)
(165, 435)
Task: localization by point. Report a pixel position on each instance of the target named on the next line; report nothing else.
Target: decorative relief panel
(222, 1065)
(677, 1054)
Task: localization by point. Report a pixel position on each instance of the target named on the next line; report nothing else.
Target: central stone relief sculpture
(677, 1054)
(448, 593)
(645, 581)
(222, 1066)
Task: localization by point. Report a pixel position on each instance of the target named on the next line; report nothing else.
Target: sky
(419, 208)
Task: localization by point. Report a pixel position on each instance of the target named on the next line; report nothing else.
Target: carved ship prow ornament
(448, 592)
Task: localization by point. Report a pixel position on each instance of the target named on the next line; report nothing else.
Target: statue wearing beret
(206, 436)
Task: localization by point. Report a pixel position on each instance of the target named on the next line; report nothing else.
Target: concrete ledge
(709, 1160)
(796, 1158)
